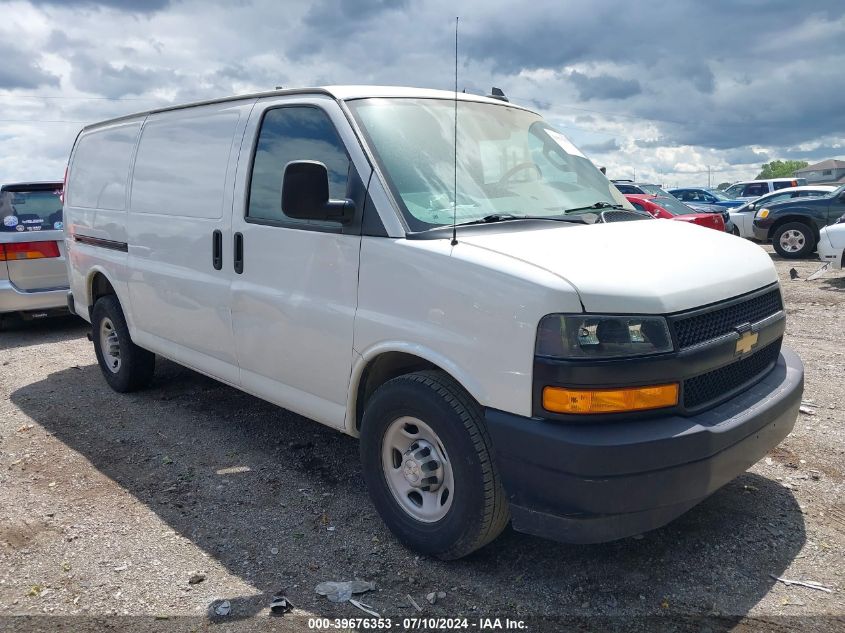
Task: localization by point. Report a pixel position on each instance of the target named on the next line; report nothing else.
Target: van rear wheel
(429, 468)
(125, 366)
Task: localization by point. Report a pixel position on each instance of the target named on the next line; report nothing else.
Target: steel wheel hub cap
(792, 241)
(110, 345)
(423, 466)
(417, 469)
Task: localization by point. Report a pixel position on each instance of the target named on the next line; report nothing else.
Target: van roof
(340, 93)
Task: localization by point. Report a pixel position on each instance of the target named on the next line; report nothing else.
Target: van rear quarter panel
(472, 312)
(95, 206)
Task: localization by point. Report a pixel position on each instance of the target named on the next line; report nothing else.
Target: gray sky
(663, 88)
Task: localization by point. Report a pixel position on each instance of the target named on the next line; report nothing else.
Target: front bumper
(827, 253)
(761, 231)
(598, 482)
(13, 299)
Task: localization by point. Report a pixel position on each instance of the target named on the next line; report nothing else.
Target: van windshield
(38, 209)
(509, 161)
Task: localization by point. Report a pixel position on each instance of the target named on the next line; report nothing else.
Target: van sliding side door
(180, 250)
(295, 282)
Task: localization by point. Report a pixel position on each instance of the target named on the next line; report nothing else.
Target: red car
(670, 208)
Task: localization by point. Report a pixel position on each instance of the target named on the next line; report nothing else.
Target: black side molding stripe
(98, 241)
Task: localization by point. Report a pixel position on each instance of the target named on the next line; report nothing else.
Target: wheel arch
(98, 285)
(385, 362)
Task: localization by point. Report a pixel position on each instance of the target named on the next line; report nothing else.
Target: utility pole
(708, 176)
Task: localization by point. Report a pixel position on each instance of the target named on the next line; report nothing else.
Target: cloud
(334, 20)
(22, 70)
(610, 145)
(651, 143)
(116, 80)
(130, 6)
(604, 86)
(348, 11)
(675, 87)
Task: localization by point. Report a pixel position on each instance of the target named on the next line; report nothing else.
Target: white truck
(461, 297)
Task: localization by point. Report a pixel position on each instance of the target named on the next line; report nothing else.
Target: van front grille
(719, 321)
(714, 384)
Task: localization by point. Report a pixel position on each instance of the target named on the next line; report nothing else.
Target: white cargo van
(585, 378)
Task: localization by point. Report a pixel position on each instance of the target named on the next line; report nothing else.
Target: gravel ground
(110, 503)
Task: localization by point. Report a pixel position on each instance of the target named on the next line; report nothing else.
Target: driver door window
(289, 134)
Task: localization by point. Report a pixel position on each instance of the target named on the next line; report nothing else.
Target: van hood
(645, 267)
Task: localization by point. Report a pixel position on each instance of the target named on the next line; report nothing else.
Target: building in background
(827, 172)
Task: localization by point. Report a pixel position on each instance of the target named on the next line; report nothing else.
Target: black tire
(479, 512)
(795, 228)
(9, 320)
(136, 365)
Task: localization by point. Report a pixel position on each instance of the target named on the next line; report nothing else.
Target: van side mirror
(305, 194)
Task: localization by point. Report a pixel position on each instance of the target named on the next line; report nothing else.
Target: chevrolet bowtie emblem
(747, 341)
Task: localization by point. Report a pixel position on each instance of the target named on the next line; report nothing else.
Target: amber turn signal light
(591, 401)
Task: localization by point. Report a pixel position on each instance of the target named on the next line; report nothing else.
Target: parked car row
(743, 216)
(657, 202)
(794, 225)
(784, 211)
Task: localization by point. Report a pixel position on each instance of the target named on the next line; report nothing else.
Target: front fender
(361, 359)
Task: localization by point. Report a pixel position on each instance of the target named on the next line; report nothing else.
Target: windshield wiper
(502, 217)
(598, 205)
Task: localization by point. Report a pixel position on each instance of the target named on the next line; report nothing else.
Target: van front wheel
(429, 468)
(125, 366)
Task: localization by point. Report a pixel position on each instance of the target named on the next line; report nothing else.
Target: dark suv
(793, 226)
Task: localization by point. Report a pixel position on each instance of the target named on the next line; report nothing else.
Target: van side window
(288, 134)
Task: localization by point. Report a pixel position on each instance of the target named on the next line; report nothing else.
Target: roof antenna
(455, 194)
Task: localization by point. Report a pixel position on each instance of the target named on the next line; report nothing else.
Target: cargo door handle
(239, 253)
(217, 249)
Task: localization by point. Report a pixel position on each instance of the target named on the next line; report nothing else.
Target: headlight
(763, 213)
(591, 336)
